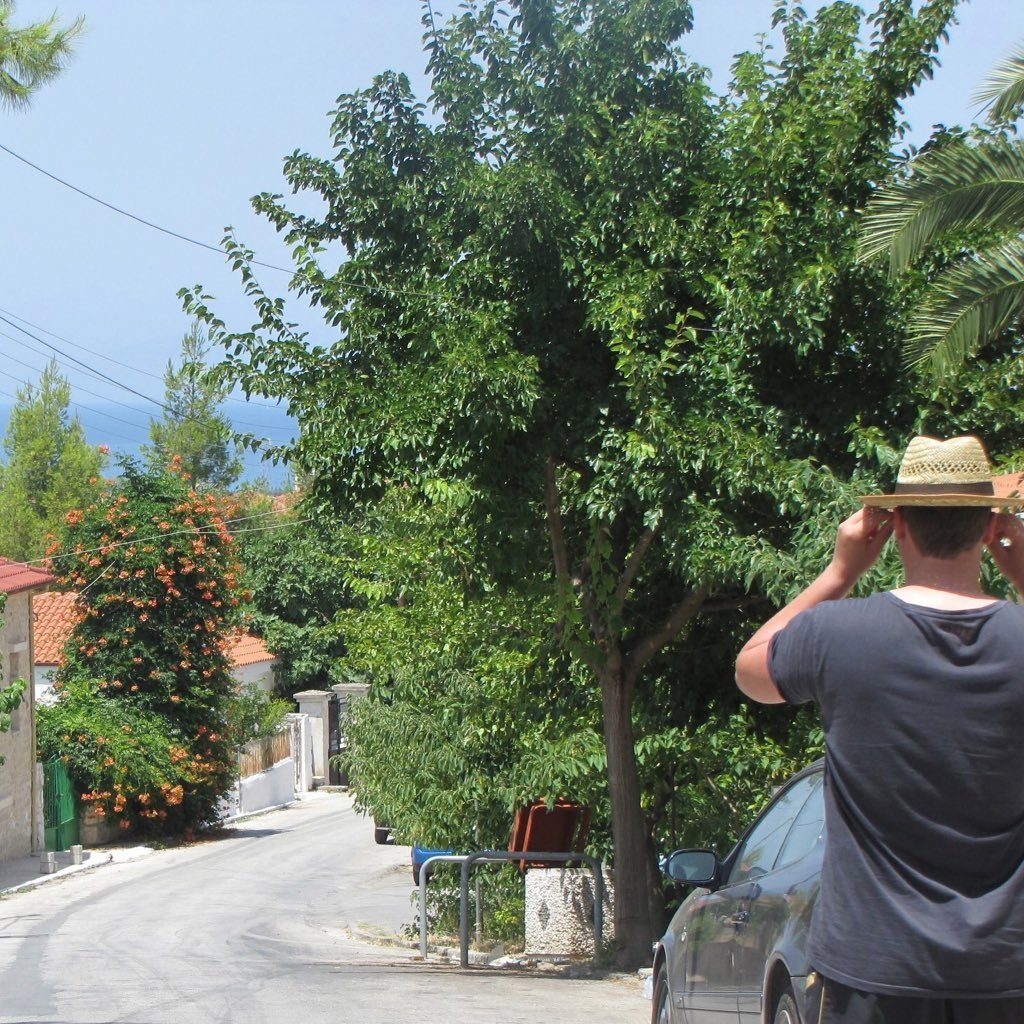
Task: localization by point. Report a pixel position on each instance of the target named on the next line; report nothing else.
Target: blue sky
(179, 110)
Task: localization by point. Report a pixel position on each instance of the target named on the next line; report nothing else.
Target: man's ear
(899, 524)
(991, 530)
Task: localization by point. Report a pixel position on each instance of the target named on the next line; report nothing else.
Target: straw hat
(935, 472)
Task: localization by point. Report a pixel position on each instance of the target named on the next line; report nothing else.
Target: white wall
(261, 674)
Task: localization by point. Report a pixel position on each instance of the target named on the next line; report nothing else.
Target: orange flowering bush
(145, 683)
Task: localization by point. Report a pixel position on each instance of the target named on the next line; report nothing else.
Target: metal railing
(469, 860)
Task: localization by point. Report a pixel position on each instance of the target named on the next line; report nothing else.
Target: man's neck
(946, 583)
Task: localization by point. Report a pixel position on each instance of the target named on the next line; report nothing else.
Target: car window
(807, 827)
(760, 848)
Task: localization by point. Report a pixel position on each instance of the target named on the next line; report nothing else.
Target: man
(920, 917)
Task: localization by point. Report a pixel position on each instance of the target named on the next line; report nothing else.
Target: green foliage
(141, 717)
(31, 55)
(253, 714)
(1004, 90)
(193, 429)
(296, 575)
(50, 467)
(613, 328)
(10, 696)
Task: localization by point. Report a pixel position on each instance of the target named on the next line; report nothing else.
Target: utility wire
(126, 366)
(113, 401)
(78, 362)
(382, 289)
(201, 531)
(77, 387)
(131, 216)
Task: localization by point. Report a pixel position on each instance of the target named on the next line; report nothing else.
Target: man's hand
(859, 542)
(1005, 541)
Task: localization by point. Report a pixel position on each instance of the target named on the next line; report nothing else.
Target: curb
(96, 859)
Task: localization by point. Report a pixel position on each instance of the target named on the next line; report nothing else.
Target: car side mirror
(693, 867)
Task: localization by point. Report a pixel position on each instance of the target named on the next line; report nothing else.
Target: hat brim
(940, 500)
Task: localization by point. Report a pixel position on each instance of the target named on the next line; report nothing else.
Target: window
(807, 828)
(761, 848)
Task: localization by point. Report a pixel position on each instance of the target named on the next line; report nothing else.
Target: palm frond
(966, 306)
(32, 55)
(956, 187)
(1004, 90)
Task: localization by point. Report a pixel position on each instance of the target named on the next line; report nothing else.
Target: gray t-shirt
(922, 889)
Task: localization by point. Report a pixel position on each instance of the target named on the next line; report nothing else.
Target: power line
(126, 366)
(78, 362)
(125, 213)
(287, 431)
(205, 531)
(78, 387)
(85, 408)
(382, 289)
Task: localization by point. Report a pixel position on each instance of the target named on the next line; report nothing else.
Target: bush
(253, 714)
(141, 718)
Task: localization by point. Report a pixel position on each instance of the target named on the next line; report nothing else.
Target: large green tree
(614, 320)
(969, 190)
(50, 468)
(193, 428)
(31, 55)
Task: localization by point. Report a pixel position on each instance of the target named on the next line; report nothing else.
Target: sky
(178, 111)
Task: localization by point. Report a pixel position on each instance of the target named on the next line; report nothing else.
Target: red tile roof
(55, 617)
(247, 649)
(1009, 484)
(16, 577)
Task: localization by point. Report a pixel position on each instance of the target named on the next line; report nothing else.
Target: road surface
(258, 927)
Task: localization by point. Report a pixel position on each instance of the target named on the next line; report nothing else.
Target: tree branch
(553, 506)
(653, 642)
(633, 565)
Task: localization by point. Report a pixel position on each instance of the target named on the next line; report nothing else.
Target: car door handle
(740, 917)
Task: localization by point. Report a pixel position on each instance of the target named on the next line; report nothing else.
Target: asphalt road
(258, 927)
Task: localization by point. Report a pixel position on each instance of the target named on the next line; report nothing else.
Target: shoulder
(847, 611)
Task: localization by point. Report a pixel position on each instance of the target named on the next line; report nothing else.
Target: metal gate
(60, 811)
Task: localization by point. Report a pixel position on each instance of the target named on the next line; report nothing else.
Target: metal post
(441, 858)
(499, 856)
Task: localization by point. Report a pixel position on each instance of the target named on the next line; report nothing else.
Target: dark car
(736, 949)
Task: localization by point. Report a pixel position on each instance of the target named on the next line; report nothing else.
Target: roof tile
(16, 577)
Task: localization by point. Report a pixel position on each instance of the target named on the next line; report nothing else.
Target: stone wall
(19, 795)
(560, 911)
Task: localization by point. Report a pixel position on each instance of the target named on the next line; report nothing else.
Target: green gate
(60, 811)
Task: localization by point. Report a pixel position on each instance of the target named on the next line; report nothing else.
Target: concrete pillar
(560, 911)
(302, 751)
(316, 704)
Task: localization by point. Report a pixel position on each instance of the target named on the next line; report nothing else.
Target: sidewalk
(24, 872)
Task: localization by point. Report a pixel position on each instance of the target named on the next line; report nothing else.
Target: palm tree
(32, 55)
(964, 186)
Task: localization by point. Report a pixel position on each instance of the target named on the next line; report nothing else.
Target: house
(54, 620)
(1008, 485)
(251, 662)
(55, 616)
(21, 786)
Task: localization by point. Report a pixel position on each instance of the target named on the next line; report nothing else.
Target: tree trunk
(634, 922)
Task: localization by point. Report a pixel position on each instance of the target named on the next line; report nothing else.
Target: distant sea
(125, 428)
